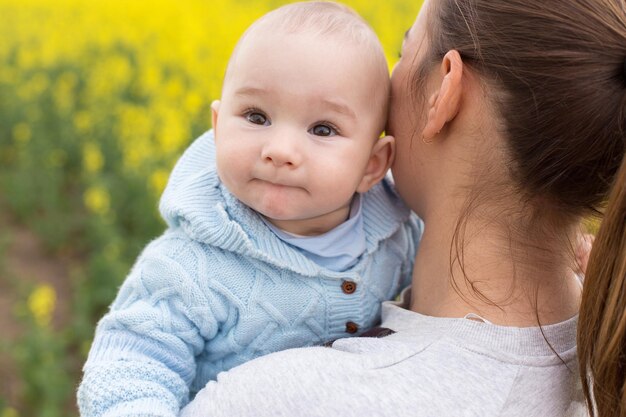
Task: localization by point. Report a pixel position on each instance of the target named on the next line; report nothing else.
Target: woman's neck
(494, 275)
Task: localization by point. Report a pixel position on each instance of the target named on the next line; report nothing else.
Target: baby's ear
(215, 107)
(380, 161)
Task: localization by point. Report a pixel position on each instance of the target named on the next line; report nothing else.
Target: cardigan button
(348, 287)
(352, 327)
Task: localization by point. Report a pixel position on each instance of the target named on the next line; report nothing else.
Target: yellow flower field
(98, 98)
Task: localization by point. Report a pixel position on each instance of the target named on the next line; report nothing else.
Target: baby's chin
(276, 211)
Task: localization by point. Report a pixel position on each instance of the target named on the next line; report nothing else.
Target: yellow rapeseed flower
(31, 90)
(173, 88)
(158, 179)
(135, 127)
(119, 70)
(92, 158)
(173, 131)
(26, 58)
(149, 78)
(193, 102)
(8, 75)
(109, 78)
(97, 200)
(41, 303)
(63, 91)
(82, 121)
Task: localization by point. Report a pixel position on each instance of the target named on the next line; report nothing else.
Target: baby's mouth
(279, 183)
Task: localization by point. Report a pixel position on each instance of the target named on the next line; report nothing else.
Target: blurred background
(98, 98)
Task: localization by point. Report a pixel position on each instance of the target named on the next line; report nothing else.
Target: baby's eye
(323, 130)
(257, 118)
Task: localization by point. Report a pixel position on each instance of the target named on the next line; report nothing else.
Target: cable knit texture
(219, 288)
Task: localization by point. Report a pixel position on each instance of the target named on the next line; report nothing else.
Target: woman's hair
(559, 88)
(602, 322)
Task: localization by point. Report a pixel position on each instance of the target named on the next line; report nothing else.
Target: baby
(283, 230)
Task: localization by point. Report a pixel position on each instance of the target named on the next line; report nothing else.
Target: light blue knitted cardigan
(218, 288)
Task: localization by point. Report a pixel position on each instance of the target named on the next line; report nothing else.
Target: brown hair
(560, 94)
(602, 322)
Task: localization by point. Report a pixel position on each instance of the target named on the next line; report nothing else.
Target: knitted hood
(196, 201)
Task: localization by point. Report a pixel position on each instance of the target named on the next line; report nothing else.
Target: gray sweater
(429, 367)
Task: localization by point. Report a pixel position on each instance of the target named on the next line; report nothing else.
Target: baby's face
(295, 128)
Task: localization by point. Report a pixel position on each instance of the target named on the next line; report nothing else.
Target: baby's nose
(282, 151)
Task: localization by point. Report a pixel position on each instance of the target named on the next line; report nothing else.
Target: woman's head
(539, 88)
(553, 72)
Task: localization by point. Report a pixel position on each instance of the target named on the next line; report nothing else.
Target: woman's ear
(215, 107)
(443, 105)
(379, 163)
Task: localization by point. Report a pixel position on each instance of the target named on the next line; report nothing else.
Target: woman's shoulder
(385, 377)
(546, 344)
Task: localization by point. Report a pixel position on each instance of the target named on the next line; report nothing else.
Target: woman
(510, 121)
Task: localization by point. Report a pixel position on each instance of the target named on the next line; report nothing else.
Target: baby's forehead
(296, 54)
(279, 33)
(359, 40)
(261, 44)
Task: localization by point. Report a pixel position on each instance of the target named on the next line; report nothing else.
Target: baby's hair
(325, 19)
(321, 18)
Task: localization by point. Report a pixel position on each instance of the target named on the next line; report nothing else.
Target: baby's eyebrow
(339, 108)
(335, 106)
(251, 91)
